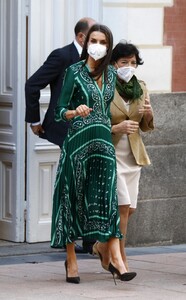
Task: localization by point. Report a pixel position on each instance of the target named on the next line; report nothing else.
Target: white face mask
(97, 51)
(126, 73)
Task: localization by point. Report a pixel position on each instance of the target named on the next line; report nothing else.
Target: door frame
(12, 127)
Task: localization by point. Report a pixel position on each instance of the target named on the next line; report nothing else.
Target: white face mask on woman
(97, 51)
(126, 73)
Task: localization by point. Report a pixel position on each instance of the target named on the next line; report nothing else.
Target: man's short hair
(81, 26)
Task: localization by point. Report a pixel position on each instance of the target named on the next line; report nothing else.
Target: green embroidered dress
(85, 200)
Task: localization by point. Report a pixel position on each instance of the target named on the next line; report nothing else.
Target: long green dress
(85, 199)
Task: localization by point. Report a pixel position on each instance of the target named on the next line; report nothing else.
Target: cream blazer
(119, 113)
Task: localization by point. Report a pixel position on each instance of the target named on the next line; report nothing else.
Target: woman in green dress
(85, 198)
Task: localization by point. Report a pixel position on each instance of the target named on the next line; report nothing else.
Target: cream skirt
(128, 174)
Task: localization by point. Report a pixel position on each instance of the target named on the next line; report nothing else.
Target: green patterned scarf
(129, 90)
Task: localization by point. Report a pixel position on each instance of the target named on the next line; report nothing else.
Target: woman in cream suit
(131, 112)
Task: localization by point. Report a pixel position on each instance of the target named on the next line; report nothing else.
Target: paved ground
(35, 271)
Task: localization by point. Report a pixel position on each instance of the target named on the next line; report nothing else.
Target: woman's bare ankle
(119, 265)
(126, 265)
(103, 249)
(72, 268)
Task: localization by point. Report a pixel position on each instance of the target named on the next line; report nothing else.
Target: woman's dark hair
(105, 61)
(125, 50)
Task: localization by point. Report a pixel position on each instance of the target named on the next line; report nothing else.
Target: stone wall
(160, 217)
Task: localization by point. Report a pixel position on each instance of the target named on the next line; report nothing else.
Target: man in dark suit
(52, 73)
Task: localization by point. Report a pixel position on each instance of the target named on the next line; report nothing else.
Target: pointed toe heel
(71, 279)
(127, 276)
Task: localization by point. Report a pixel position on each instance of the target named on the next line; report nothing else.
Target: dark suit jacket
(52, 73)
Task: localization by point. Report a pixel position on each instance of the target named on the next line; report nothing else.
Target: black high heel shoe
(71, 279)
(127, 276)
